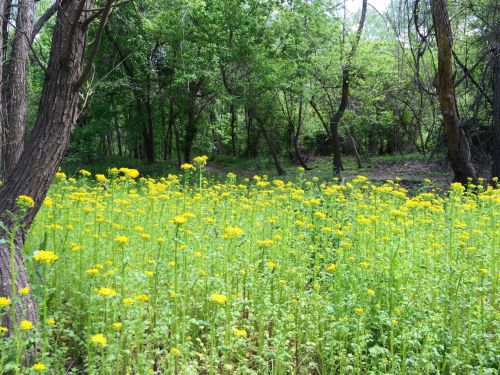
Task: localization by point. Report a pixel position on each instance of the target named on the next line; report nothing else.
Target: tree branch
(97, 42)
(43, 19)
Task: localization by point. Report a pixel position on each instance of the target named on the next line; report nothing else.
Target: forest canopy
(288, 79)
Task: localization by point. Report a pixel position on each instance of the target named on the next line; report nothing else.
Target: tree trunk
(456, 139)
(344, 99)
(232, 109)
(55, 121)
(117, 129)
(296, 135)
(149, 146)
(355, 148)
(15, 89)
(191, 126)
(170, 129)
(496, 111)
(272, 151)
(177, 143)
(2, 59)
(190, 133)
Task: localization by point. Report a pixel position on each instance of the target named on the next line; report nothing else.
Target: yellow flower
(371, 292)
(271, 264)
(92, 271)
(106, 292)
(187, 167)
(117, 325)
(331, 267)
(48, 202)
(84, 173)
(26, 325)
(359, 310)
(240, 332)
(219, 298)
(24, 202)
(24, 291)
(232, 232)
(130, 173)
(179, 220)
(4, 302)
(43, 256)
(39, 367)
(101, 178)
(3, 330)
(175, 351)
(121, 240)
(51, 322)
(142, 298)
(201, 160)
(128, 301)
(61, 176)
(99, 340)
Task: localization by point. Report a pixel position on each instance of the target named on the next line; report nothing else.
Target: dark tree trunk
(190, 133)
(344, 99)
(191, 125)
(15, 89)
(456, 138)
(3, 21)
(232, 109)
(40, 160)
(177, 143)
(117, 129)
(149, 146)
(496, 111)
(170, 130)
(296, 135)
(355, 148)
(272, 151)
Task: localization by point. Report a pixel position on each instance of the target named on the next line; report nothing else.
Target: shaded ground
(412, 169)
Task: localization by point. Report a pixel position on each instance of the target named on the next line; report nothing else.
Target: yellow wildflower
(4, 302)
(219, 298)
(39, 367)
(99, 340)
(24, 202)
(43, 256)
(25, 325)
(106, 292)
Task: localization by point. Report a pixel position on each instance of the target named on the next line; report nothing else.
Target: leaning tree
(70, 63)
(457, 142)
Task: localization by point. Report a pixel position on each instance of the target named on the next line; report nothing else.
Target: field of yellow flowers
(179, 275)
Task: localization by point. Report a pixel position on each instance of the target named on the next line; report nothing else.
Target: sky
(355, 5)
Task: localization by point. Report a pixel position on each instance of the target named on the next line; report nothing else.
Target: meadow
(181, 275)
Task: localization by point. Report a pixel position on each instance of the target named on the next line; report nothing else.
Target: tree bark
(55, 121)
(272, 150)
(232, 109)
(496, 111)
(296, 135)
(2, 109)
(15, 89)
(456, 138)
(191, 126)
(344, 99)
